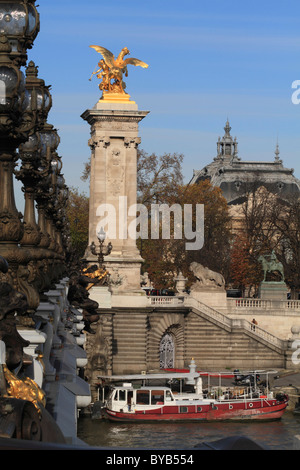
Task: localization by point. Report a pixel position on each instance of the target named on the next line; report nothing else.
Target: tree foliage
(78, 217)
(157, 176)
(245, 269)
(164, 258)
(217, 225)
(285, 217)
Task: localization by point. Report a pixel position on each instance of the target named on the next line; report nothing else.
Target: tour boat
(132, 402)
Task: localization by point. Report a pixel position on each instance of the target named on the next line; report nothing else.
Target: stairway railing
(211, 313)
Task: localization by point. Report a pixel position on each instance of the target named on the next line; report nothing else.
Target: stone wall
(276, 317)
(127, 341)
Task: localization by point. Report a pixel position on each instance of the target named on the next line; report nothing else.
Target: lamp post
(12, 107)
(103, 250)
(39, 104)
(49, 201)
(50, 141)
(19, 25)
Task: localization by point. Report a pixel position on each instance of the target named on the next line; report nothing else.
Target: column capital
(98, 141)
(132, 142)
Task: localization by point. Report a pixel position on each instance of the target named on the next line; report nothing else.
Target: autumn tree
(285, 217)
(158, 177)
(217, 226)
(160, 181)
(245, 269)
(165, 258)
(258, 223)
(255, 236)
(78, 218)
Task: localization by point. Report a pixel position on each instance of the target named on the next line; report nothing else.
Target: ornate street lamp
(103, 251)
(11, 135)
(39, 96)
(45, 189)
(39, 104)
(20, 23)
(29, 175)
(36, 111)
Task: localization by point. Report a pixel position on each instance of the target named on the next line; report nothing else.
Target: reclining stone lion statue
(206, 277)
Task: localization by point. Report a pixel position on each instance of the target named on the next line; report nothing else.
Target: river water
(277, 435)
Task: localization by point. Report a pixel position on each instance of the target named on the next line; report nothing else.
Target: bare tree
(286, 220)
(158, 176)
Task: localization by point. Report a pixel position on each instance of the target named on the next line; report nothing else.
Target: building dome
(235, 176)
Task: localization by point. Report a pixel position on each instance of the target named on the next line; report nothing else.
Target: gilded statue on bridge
(111, 70)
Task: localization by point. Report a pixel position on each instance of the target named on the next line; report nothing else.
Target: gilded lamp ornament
(111, 71)
(103, 251)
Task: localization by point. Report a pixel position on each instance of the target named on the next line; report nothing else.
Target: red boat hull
(255, 410)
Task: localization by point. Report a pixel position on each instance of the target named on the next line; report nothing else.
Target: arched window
(166, 351)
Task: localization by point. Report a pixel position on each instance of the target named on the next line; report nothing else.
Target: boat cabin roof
(142, 387)
(165, 376)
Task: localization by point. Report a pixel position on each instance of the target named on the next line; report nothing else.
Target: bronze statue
(78, 295)
(272, 268)
(111, 69)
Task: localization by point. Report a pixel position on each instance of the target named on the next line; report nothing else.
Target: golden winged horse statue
(111, 69)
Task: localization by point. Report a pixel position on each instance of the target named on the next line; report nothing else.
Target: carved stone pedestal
(273, 290)
(212, 296)
(113, 182)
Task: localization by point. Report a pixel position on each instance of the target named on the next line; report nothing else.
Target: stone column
(113, 181)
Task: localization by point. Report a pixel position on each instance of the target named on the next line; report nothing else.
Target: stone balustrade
(58, 358)
(285, 306)
(238, 313)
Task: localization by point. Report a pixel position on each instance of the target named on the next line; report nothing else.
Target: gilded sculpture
(24, 389)
(111, 70)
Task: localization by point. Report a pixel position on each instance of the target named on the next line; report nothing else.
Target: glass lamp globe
(19, 22)
(10, 81)
(101, 235)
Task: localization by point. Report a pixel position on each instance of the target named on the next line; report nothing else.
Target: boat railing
(237, 393)
(266, 401)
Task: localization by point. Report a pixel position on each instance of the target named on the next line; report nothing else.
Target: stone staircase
(242, 324)
(129, 334)
(128, 340)
(216, 340)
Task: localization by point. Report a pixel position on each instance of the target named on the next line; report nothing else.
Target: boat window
(199, 409)
(129, 397)
(142, 397)
(168, 396)
(157, 396)
(183, 409)
(121, 395)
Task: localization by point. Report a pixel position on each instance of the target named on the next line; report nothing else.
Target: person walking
(253, 324)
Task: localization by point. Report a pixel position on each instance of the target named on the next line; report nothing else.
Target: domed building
(235, 176)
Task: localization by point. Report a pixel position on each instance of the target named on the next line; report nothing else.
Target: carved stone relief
(115, 171)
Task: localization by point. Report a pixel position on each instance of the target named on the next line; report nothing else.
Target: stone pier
(113, 182)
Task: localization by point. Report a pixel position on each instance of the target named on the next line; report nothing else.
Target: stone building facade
(235, 176)
(132, 340)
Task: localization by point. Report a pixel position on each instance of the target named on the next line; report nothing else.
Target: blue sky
(208, 60)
